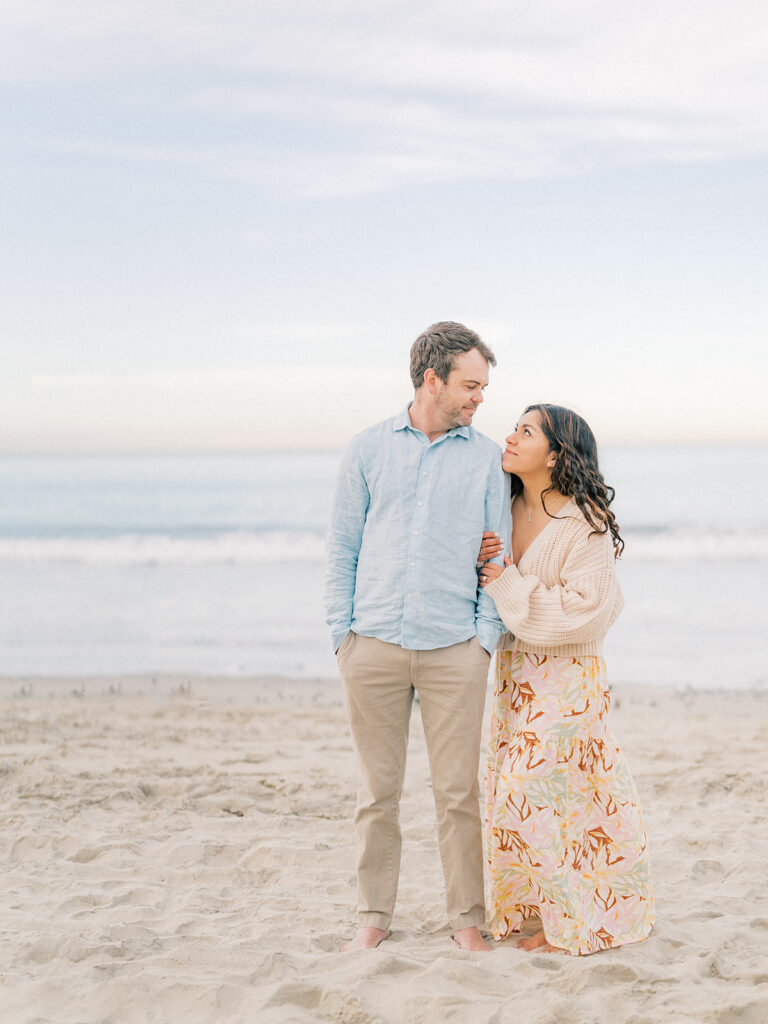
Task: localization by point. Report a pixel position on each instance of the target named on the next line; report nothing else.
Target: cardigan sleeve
(579, 609)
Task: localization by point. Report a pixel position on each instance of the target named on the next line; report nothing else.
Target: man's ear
(431, 381)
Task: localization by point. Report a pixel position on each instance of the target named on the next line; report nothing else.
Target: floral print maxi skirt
(565, 839)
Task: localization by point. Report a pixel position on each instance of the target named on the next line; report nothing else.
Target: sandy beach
(181, 849)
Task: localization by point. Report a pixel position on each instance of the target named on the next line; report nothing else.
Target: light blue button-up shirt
(406, 528)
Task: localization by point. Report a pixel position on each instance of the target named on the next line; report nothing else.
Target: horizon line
(325, 450)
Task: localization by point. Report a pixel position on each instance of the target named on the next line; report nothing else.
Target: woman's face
(527, 452)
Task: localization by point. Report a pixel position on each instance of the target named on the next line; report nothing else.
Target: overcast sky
(224, 223)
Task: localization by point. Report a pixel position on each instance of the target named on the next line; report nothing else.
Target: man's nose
(477, 398)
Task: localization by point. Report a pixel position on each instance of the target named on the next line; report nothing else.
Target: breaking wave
(271, 546)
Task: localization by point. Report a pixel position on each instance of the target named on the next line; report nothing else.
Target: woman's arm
(579, 609)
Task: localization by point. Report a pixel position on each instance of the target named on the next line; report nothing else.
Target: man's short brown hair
(437, 347)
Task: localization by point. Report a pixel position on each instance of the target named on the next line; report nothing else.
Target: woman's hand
(491, 571)
(490, 547)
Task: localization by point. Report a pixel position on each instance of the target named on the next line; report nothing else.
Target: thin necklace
(530, 514)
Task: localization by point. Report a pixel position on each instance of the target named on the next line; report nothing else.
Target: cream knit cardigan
(563, 595)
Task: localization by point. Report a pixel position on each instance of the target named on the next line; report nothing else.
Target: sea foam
(273, 546)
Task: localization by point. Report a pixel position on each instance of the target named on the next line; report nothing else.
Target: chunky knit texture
(564, 594)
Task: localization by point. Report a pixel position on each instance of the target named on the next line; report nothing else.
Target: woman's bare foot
(471, 939)
(538, 943)
(366, 938)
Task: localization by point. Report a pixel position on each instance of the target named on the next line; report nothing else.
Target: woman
(564, 829)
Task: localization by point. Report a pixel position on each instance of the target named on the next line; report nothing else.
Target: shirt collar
(403, 422)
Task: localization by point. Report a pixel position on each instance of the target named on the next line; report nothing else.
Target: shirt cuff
(488, 635)
(337, 638)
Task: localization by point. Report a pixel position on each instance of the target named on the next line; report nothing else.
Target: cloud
(604, 54)
(347, 98)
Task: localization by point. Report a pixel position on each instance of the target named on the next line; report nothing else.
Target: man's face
(457, 399)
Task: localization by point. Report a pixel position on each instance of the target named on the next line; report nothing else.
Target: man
(414, 496)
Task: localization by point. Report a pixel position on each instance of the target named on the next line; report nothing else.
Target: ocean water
(203, 564)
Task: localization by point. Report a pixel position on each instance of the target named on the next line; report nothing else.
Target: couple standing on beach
(422, 501)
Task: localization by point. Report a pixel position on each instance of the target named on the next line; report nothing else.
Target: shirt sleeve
(350, 508)
(577, 610)
(498, 518)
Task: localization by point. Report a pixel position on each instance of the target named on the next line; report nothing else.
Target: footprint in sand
(608, 973)
(295, 994)
(339, 1006)
(706, 871)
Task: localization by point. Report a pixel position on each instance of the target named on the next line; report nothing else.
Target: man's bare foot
(471, 939)
(538, 943)
(366, 938)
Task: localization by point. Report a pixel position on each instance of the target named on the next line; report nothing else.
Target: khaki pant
(379, 683)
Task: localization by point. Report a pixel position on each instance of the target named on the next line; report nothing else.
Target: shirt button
(415, 533)
(419, 502)
(412, 563)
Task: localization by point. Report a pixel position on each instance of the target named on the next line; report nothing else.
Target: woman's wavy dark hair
(576, 472)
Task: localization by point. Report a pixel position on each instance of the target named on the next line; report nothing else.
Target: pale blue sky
(224, 224)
